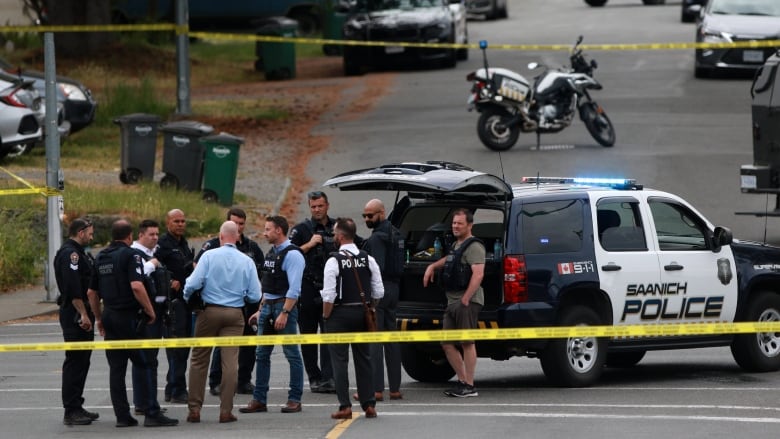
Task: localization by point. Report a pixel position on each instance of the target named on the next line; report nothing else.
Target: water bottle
(437, 248)
(407, 255)
(497, 250)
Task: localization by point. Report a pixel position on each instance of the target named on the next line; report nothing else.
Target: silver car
(730, 21)
(18, 123)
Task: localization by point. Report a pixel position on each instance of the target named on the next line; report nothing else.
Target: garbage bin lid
(223, 138)
(187, 127)
(138, 117)
(274, 26)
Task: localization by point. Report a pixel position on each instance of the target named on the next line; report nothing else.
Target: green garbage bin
(220, 167)
(277, 60)
(333, 25)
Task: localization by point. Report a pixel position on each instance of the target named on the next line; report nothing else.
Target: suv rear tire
(759, 352)
(575, 361)
(423, 366)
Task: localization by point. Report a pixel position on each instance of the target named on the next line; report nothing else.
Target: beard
(371, 224)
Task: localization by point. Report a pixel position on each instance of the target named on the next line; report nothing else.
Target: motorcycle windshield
(424, 178)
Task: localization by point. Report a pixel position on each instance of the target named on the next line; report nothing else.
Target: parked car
(401, 21)
(18, 123)
(691, 10)
(490, 9)
(79, 106)
(728, 21)
(603, 2)
(28, 95)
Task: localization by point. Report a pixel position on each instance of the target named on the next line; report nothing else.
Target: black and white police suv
(566, 252)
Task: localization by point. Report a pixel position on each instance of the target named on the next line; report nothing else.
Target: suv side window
(676, 227)
(619, 225)
(552, 226)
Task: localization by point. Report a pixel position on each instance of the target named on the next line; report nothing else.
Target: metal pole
(182, 59)
(54, 178)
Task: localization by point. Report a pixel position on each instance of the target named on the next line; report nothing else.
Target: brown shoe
(396, 395)
(378, 396)
(193, 417)
(227, 417)
(370, 412)
(345, 413)
(292, 407)
(254, 407)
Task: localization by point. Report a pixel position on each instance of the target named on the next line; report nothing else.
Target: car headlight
(435, 32)
(714, 36)
(73, 92)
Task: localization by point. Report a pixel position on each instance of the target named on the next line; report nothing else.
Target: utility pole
(54, 177)
(183, 106)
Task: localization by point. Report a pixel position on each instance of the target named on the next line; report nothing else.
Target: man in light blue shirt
(281, 278)
(226, 278)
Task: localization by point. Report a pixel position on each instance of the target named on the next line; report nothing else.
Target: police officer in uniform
(315, 239)
(246, 354)
(118, 281)
(72, 270)
(175, 253)
(343, 311)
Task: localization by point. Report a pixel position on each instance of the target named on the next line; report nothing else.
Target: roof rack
(615, 183)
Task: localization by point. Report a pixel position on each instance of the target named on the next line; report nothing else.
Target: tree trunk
(75, 12)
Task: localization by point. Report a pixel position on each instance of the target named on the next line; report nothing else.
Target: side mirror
(722, 236)
(533, 65)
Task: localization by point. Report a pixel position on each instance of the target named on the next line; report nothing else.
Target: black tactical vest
(347, 289)
(113, 283)
(273, 278)
(457, 275)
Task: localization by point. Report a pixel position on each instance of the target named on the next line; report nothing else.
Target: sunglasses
(86, 226)
(369, 215)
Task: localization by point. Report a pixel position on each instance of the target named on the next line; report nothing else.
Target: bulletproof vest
(157, 282)
(316, 257)
(274, 279)
(113, 283)
(457, 275)
(85, 264)
(347, 288)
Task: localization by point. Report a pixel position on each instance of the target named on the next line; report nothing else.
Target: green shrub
(21, 246)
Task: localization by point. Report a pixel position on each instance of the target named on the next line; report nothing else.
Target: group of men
(315, 280)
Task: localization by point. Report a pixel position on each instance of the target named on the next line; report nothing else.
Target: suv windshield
(384, 5)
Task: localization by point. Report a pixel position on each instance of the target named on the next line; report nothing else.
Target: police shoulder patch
(74, 258)
(206, 245)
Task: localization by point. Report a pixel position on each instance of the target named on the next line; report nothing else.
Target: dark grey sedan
(727, 21)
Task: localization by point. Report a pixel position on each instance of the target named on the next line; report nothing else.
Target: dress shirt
(148, 266)
(293, 265)
(226, 276)
(329, 293)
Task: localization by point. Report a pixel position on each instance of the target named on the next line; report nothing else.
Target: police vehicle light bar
(616, 183)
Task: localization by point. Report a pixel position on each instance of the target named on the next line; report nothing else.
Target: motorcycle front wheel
(492, 130)
(598, 124)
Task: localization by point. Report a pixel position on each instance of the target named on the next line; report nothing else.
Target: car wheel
(685, 17)
(702, 72)
(308, 24)
(624, 359)
(596, 3)
(575, 361)
(19, 150)
(423, 366)
(759, 352)
(351, 66)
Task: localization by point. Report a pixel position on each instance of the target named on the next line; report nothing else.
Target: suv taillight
(515, 279)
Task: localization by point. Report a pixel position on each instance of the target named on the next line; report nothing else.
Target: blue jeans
(291, 352)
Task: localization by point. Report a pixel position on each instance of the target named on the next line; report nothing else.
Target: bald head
(374, 213)
(228, 233)
(176, 223)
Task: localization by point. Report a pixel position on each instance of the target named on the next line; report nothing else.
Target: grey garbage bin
(138, 133)
(277, 60)
(183, 154)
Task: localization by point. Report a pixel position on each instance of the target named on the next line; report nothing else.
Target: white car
(18, 123)
(459, 12)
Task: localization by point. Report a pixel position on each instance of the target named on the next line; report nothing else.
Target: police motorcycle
(509, 104)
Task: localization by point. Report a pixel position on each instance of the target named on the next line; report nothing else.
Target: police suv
(568, 252)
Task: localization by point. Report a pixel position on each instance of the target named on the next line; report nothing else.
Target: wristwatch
(284, 311)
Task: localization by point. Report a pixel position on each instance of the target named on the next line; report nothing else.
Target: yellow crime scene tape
(662, 330)
(162, 27)
(29, 190)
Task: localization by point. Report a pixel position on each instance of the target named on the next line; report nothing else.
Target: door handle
(673, 267)
(611, 267)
